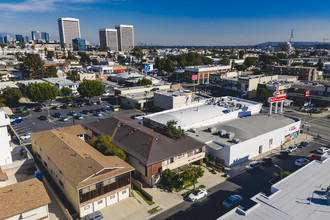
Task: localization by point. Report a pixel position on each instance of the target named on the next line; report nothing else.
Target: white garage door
(123, 194)
(112, 199)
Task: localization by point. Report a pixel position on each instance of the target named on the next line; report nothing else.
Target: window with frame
(87, 207)
(99, 202)
(112, 196)
(123, 192)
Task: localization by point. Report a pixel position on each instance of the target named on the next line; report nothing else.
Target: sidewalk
(234, 171)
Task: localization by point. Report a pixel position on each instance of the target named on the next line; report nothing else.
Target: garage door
(112, 199)
(123, 194)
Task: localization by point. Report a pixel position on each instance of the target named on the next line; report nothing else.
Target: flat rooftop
(60, 81)
(213, 110)
(243, 128)
(174, 92)
(302, 195)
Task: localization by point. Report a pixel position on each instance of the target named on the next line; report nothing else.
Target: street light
(279, 168)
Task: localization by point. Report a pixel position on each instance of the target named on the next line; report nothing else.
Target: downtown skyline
(208, 23)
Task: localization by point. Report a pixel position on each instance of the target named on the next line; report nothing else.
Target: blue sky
(180, 22)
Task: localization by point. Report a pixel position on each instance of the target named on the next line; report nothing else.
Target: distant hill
(276, 44)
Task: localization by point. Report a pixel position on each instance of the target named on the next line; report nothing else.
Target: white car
(25, 136)
(254, 165)
(197, 194)
(301, 162)
(292, 148)
(323, 150)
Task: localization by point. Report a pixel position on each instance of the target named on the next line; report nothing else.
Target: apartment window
(92, 187)
(171, 160)
(85, 190)
(179, 156)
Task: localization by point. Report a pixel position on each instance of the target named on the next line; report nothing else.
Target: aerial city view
(179, 110)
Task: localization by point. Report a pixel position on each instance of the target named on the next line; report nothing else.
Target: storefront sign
(277, 93)
(276, 99)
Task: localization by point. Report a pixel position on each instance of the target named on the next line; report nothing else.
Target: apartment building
(303, 73)
(89, 180)
(149, 152)
(203, 72)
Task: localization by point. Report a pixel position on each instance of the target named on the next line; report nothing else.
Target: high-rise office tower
(26, 39)
(45, 36)
(19, 38)
(35, 35)
(108, 38)
(7, 39)
(69, 29)
(125, 35)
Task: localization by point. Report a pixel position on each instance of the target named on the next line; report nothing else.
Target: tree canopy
(51, 71)
(91, 88)
(192, 174)
(224, 61)
(138, 53)
(103, 144)
(250, 61)
(159, 64)
(264, 94)
(144, 82)
(11, 95)
(172, 131)
(41, 92)
(33, 68)
(95, 61)
(66, 91)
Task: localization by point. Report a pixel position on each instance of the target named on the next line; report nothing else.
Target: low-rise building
(87, 76)
(89, 180)
(149, 152)
(303, 73)
(139, 89)
(203, 72)
(62, 82)
(24, 200)
(173, 98)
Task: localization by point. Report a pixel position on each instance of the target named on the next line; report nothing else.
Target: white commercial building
(304, 195)
(62, 82)
(69, 29)
(125, 37)
(173, 98)
(108, 39)
(5, 149)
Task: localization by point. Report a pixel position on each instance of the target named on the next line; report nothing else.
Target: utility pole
(72, 112)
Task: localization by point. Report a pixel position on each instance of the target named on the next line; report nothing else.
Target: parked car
(16, 121)
(93, 216)
(312, 157)
(99, 102)
(197, 194)
(292, 148)
(57, 115)
(92, 111)
(72, 113)
(85, 112)
(232, 201)
(57, 107)
(80, 117)
(97, 113)
(43, 117)
(64, 118)
(38, 109)
(254, 165)
(25, 136)
(323, 150)
(282, 154)
(65, 106)
(301, 162)
(266, 161)
(303, 144)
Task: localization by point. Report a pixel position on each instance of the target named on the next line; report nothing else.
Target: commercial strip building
(203, 72)
(149, 152)
(302, 195)
(303, 73)
(24, 200)
(62, 82)
(69, 29)
(89, 180)
(108, 39)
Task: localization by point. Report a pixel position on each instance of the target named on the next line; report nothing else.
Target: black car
(92, 111)
(65, 106)
(303, 144)
(282, 154)
(57, 115)
(43, 118)
(85, 112)
(56, 107)
(267, 161)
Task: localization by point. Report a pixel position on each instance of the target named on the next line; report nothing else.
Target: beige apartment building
(303, 73)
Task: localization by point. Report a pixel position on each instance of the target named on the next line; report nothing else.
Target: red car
(314, 157)
(38, 109)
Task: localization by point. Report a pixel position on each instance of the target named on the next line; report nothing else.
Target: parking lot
(32, 123)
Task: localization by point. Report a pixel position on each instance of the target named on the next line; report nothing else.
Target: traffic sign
(278, 93)
(276, 99)
(307, 93)
(146, 68)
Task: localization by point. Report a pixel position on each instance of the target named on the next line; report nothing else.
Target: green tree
(319, 65)
(32, 67)
(138, 53)
(103, 144)
(168, 178)
(169, 66)
(224, 61)
(172, 131)
(95, 61)
(241, 54)
(264, 94)
(51, 71)
(192, 174)
(41, 92)
(267, 59)
(19, 56)
(66, 91)
(12, 95)
(250, 61)
(91, 88)
(242, 67)
(144, 82)
(84, 58)
(282, 56)
(159, 64)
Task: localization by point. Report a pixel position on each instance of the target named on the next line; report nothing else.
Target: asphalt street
(248, 184)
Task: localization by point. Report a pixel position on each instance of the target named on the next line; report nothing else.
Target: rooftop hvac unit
(223, 132)
(213, 129)
(235, 140)
(231, 135)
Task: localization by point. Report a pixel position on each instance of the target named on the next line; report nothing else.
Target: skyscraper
(108, 38)
(45, 36)
(69, 29)
(35, 35)
(19, 38)
(125, 35)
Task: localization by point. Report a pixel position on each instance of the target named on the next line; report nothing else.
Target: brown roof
(77, 160)
(3, 175)
(22, 197)
(141, 142)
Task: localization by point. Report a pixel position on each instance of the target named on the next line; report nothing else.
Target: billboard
(277, 93)
(194, 77)
(276, 99)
